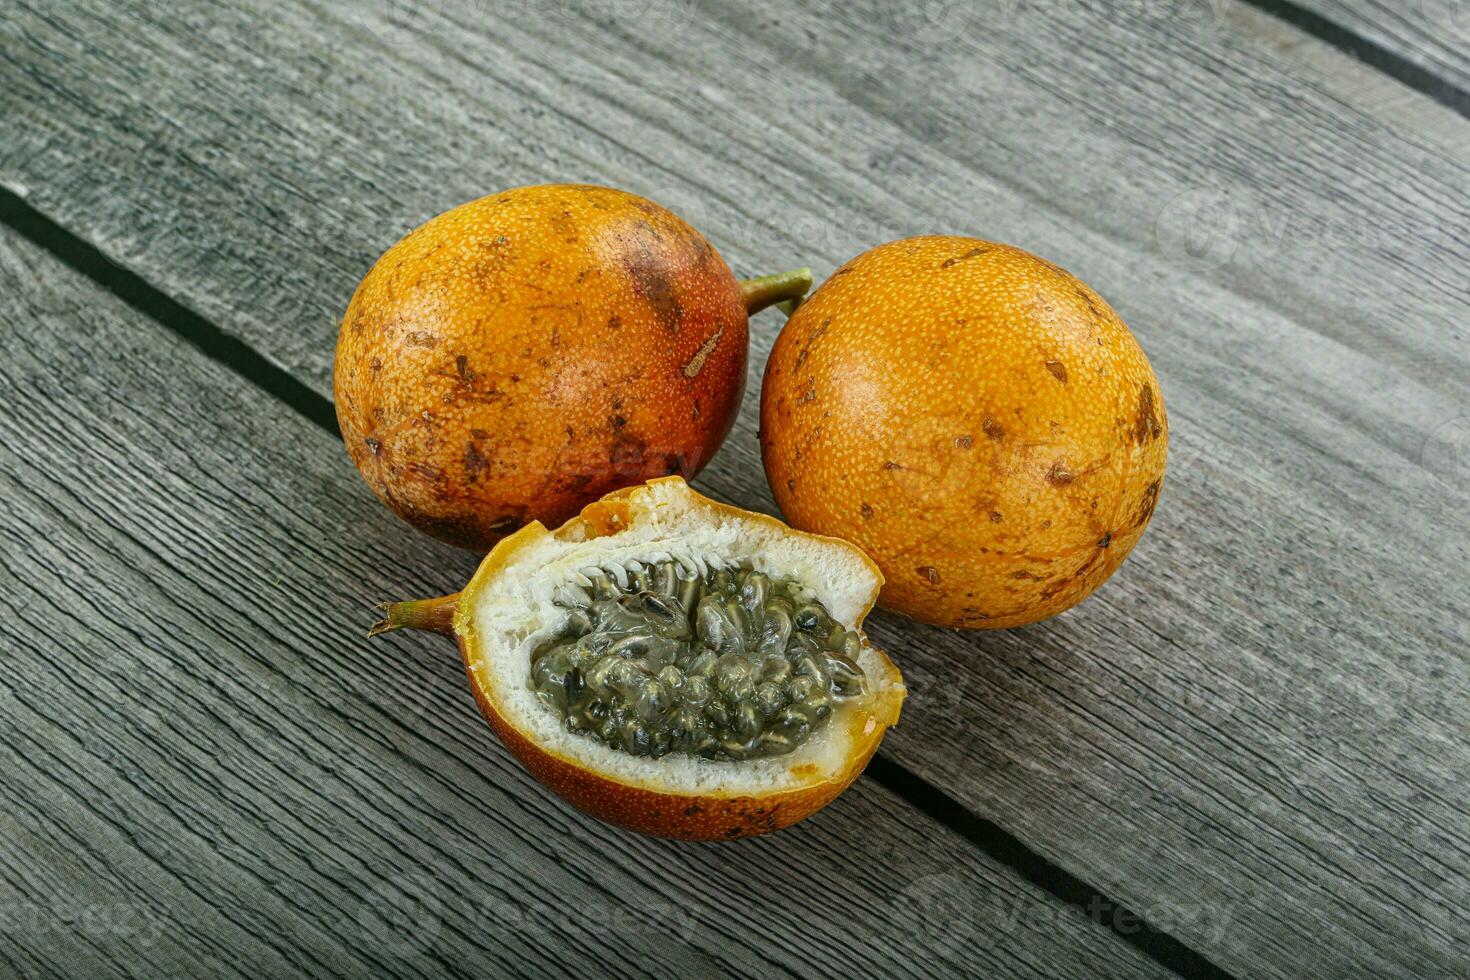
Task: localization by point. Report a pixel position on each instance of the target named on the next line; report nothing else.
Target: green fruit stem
(783, 287)
(434, 615)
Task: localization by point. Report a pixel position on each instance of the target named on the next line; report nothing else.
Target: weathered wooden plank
(1434, 35)
(1252, 735)
(208, 770)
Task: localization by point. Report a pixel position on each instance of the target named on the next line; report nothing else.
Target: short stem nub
(434, 615)
(782, 287)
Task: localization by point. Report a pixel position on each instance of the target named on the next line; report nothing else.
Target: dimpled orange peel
(976, 419)
(521, 355)
(673, 665)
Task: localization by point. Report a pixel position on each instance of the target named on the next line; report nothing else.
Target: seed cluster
(723, 663)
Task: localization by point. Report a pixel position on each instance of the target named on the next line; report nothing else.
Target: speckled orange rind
(521, 355)
(976, 419)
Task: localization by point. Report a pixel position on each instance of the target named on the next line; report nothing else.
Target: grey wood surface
(1431, 34)
(209, 770)
(1256, 735)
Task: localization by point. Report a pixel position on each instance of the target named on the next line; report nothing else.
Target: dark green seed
(815, 668)
(731, 670)
(696, 691)
(799, 687)
(688, 594)
(739, 619)
(804, 644)
(748, 721)
(603, 586)
(847, 677)
(775, 742)
(769, 698)
(664, 612)
(753, 593)
(714, 627)
(632, 646)
(816, 707)
(704, 744)
(651, 702)
(672, 680)
(793, 725)
(775, 668)
(809, 618)
(775, 632)
(741, 693)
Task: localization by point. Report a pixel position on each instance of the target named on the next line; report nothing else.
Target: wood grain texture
(1432, 34)
(1255, 735)
(208, 770)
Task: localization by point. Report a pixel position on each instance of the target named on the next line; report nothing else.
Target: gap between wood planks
(18, 215)
(1371, 53)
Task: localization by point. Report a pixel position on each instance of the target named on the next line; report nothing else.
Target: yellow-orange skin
(521, 355)
(977, 420)
(710, 816)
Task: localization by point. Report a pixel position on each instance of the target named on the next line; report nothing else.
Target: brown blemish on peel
(993, 429)
(652, 281)
(692, 369)
(474, 462)
(806, 348)
(1059, 475)
(1058, 370)
(972, 253)
(1092, 306)
(929, 573)
(1147, 505)
(1147, 426)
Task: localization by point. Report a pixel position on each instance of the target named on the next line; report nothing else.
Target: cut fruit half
(673, 665)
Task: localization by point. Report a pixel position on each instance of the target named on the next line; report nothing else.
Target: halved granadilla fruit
(673, 665)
